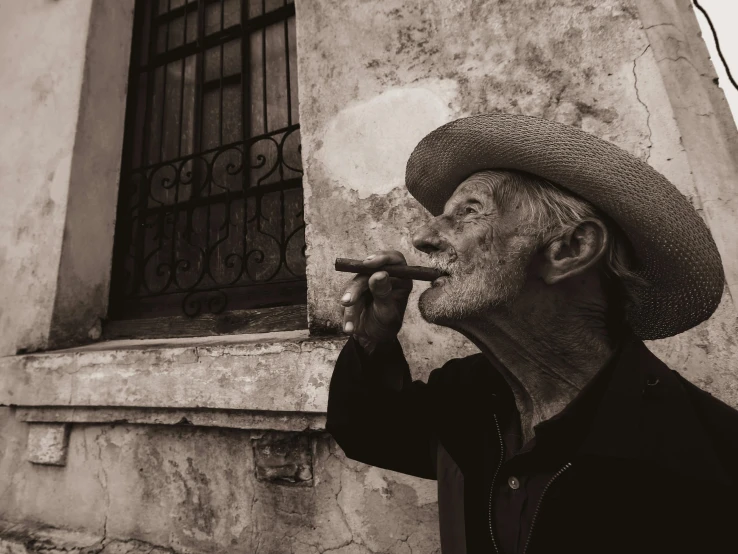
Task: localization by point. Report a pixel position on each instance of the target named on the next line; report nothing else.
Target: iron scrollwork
(210, 223)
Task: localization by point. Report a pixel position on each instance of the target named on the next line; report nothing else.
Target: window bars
(210, 212)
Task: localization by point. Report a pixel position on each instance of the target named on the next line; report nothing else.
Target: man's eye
(469, 210)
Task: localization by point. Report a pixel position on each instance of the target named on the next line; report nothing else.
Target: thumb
(381, 286)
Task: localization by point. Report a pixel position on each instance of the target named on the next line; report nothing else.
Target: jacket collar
(645, 414)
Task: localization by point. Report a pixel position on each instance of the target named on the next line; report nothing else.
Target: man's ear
(574, 251)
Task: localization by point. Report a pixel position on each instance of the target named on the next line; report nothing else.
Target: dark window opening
(210, 209)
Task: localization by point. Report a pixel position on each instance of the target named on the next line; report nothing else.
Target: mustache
(446, 262)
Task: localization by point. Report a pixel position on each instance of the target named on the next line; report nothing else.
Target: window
(210, 213)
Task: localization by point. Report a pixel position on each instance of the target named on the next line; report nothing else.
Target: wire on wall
(717, 43)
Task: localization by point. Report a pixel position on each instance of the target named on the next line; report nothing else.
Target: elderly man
(561, 253)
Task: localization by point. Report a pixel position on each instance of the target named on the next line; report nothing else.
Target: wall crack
(104, 484)
(642, 103)
(680, 58)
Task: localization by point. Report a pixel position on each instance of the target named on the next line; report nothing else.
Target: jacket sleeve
(377, 414)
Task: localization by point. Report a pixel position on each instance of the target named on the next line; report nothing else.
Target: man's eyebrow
(471, 198)
(464, 199)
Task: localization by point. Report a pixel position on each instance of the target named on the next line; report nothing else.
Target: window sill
(263, 320)
(256, 381)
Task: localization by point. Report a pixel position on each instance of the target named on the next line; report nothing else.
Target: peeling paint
(163, 487)
(366, 146)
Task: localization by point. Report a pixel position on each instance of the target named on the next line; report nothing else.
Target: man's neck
(546, 355)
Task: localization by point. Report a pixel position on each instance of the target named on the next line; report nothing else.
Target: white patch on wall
(366, 146)
(376, 479)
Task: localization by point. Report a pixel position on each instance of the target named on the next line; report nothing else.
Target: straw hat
(675, 251)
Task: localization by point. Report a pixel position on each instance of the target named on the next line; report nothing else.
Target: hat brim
(675, 252)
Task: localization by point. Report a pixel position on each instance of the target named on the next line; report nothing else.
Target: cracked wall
(163, 486)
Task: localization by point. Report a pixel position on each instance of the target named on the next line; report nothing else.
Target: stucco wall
(196, 490)
(83, 278)
(42, 55)
(62, 104)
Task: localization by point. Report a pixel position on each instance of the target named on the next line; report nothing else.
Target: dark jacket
(654, 468)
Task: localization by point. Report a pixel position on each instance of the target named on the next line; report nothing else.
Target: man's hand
(374, 305)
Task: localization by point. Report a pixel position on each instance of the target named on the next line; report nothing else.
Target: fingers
(373, 305)
(355, 288)
(352, 318)
(389, 301)
(352, 301)
(384, 305)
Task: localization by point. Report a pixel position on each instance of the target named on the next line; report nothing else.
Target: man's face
(484, 252)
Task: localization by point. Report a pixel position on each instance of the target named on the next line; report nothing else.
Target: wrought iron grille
(210, 213)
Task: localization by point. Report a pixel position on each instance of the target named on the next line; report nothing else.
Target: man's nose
(428, 240)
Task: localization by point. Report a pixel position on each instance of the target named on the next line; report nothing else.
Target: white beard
(472, 290)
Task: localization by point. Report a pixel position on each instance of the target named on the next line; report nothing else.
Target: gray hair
(554, 211)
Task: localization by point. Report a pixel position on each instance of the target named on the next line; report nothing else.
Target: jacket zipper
(540, 501)
(494, 478)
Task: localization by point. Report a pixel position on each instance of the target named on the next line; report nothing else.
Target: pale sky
(724, 16)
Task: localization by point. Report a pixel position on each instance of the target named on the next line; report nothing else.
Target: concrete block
(47, 443)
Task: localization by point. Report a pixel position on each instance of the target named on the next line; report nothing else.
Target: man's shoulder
(718, 419)
(713, 413)
(712, 407)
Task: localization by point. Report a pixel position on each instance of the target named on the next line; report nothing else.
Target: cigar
(414, 272)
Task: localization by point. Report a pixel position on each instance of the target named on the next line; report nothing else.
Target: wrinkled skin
(484, 253)
(538, 312)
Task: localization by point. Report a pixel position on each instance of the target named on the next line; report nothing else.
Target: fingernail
(382, 276)
(346, 297)
(348, 327)
(369, 258)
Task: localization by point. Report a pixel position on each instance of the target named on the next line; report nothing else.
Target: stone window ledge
(257, 381)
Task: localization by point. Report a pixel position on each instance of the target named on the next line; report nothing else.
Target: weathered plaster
(708, 132)
(695, 144)
(42, 54)
(84, 270)
(47, 443)
(163, 486)
(199, 417)
(29, 538)
(270, 375)
(65, 73)
(366, 146)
